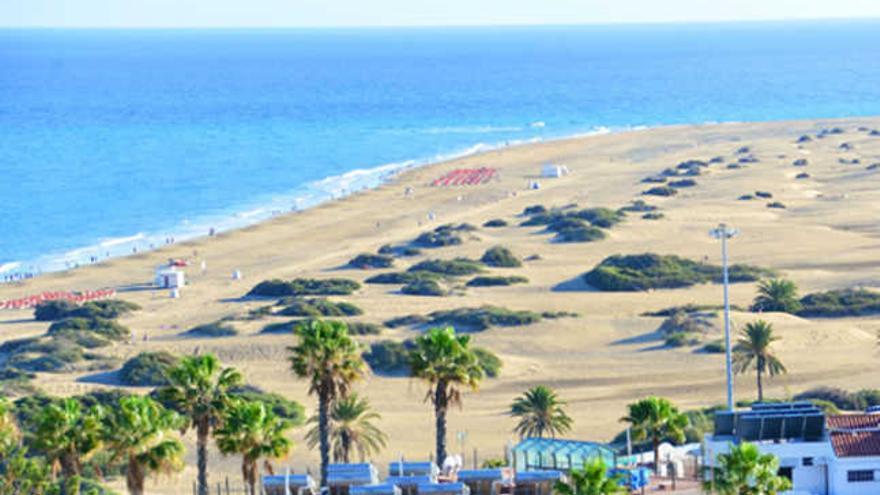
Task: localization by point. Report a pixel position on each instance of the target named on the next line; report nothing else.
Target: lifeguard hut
(169, 277)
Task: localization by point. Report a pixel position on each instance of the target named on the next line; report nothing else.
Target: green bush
(763, 194)
(389, 357)
(406, 321)
(687, 323)
(108, 309)
(639, 206)
(70, 327)
(680, 339)
(653, 216)
(444, 235)
(315, 308)
(496, 281)
(451, 268)
(841, 302)
(582, 233)
(61, 358)
(211, 330)
(685, 308)
(148, 369)
(495, 223)
(663, 191)
(287, 409)
(366, 261)
(478, 319)
(362, 328)
(281, 327)
(683, 183)
(714, 347)
(396, 278)
(305, 287)
(776, 204)
(653, 271)
(490, 363)
(423, 288)
(534, 210)
(600, 217)
(500, 257)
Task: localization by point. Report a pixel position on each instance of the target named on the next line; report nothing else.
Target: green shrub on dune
(389, 357)
(581, 233)
(406, 321)
(212, 330)
(600, 217)
(490, 362)
(289, 410)
(653, 271)
(305, 287)
(841, 302)
(496, 281)
(148, 369)
(500, 257)
(444, 235)
(109, 329)
(451, 268)
(397, 278)
(318, 307)
(478, 319)
(495, 223)
(662, 191)
(107, 309)
(423, 288)
(367, 261)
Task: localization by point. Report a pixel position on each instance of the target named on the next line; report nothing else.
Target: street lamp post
(724, 233)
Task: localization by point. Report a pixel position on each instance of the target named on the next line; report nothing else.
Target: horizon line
(446, 26)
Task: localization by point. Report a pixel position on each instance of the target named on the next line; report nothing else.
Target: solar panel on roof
(793, 427)
(771, 428)
(748, 428)
(815, 427)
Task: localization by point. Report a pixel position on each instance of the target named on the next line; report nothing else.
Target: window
(807, 461)
(860, 475)
(785, 472)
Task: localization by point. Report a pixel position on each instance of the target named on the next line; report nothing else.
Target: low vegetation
(109, 309)
(842, 399)
(444, 235)
(389, 357)
(495, 223)
(367, 261)
(406, 321)
(397, 278)
(653, 271)
(500, 257)
(489, 361)
(841, 302)
(305, 287)
(73, 327)
(685, 328)
(423, 288)
(318, 307)
(478, 319)
(496, 281)
(148, 369)
(212, 330)
(662, 191)
(451, 268)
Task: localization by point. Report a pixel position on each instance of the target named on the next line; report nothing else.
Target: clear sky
(319, 13)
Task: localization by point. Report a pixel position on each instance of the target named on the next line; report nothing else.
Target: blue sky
(319, 13)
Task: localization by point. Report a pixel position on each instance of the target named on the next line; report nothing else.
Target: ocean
(116, 140)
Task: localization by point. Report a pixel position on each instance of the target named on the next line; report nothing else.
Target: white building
(169, 277)
(554, 171)
(833, 455)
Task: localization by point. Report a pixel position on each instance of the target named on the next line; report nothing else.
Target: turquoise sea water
(111, 140)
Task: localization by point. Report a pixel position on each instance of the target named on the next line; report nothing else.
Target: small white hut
(169, 277)
(554, 171)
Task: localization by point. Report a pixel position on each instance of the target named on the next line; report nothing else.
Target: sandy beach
(826, 237)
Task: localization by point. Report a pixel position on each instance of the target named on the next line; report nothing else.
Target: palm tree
(777, 295)
(752, 350)
(68, 436)
(446, 361)
(330, 359)
(351, 428)
(655, 418)
(199, 389)
(591, 480)
(254, 431)
(540, 412)
(139, 432)
(745, 471)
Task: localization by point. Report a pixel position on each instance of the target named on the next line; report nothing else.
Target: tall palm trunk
(760, 371)
(324, 431)
(70, 474)
(203, 429)
(441, 403)
(134, 477)
(249, 473)
(345, 440)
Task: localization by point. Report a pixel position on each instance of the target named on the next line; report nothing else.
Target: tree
(330, 359)
(446, 361)
(254, 431)
(593, 479)
(540, 412)
(140, 432)
(351, 428)
(745, 471)
(19, 472)
(752, 350)
(68, 436)
(655, 418)
(199, 389)
(777, 295)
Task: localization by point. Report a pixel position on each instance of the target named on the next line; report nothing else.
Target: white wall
(839, 483)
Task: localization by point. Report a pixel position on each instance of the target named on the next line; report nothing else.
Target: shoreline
(303, 197)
